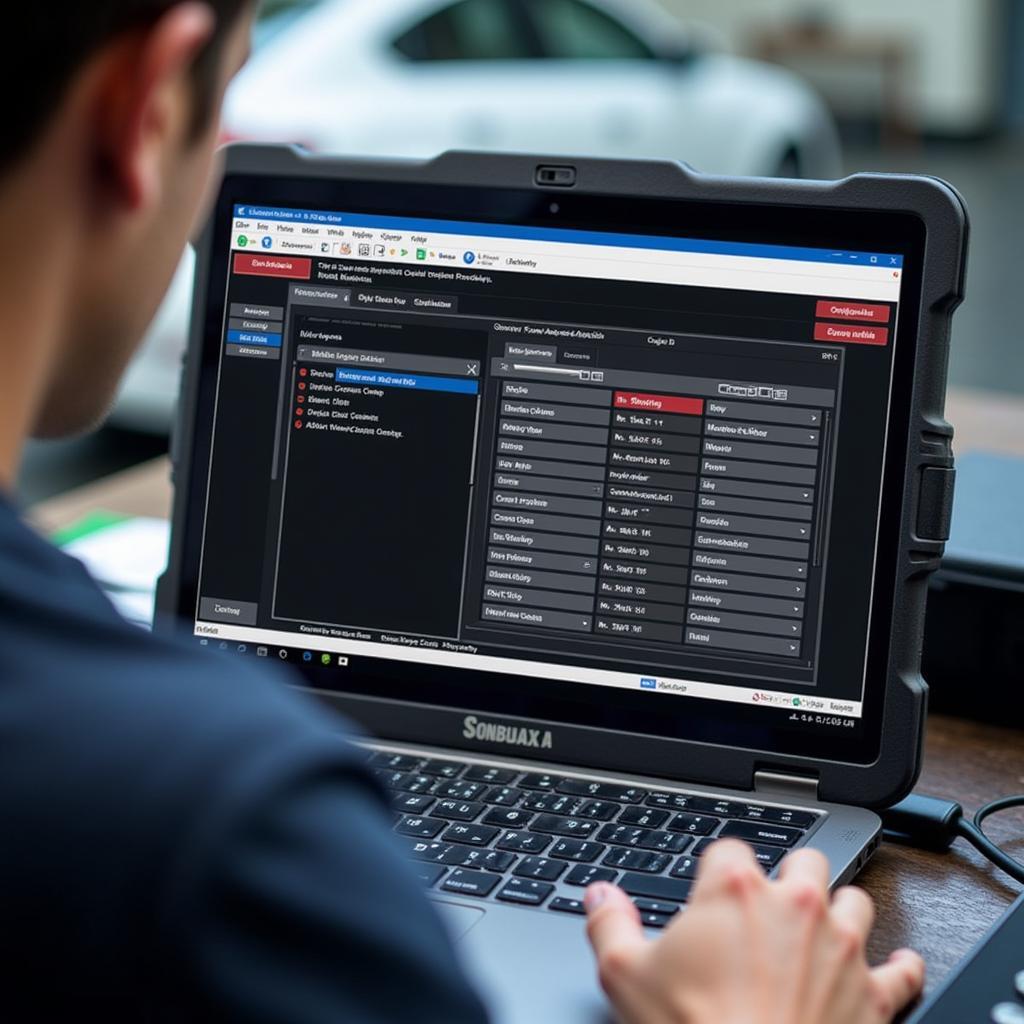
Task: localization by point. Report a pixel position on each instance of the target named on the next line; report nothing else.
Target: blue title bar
(406, 380)
(624, 241)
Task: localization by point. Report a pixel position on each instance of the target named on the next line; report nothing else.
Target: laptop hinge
(786, 785)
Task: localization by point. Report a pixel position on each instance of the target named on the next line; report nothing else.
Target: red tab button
(838, 309)
(659, 403)
(299, 267)
(851, 334)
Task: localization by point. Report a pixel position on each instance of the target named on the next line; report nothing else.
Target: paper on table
(127, 555)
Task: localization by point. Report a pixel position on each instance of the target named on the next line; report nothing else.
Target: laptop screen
(537, 456)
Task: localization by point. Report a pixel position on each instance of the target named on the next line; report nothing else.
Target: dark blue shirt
(185, 838)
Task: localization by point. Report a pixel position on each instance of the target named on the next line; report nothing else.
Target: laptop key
(603, 810)
(458, 810)
(471, 835)
(539, 780)
(458, 789)
(557, 825)
(723, 808)
(503, 796)
(567, 906)
(602, 790)
(445, 769)
(396, 762)
(585, 875)
(623, 835)
(422, 850)
(461, 856)
(411, 803)
(414, 783)
(539, 867)
(656, 887)
(673, 801)
(580, 850)
(787, 816)
(656, 907)
(468, 882)
(388, 778)
(428, 874)
(685, 867)
(761, 833)
(556, 803)
(695, 824)
(648, 817)
(636, 860)
(768, 856)
(523, 842)
(525, 890)
(666, 842)
(509, 817)
(492, 776)
(649, 920)
(421, 828)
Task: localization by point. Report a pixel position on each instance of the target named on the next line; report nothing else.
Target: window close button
(935, 504)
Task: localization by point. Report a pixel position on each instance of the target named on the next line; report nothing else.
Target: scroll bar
(563, 371)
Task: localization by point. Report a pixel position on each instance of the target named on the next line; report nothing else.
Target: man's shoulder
(148, 727)
(137, 726)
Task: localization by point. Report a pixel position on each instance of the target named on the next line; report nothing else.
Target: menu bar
(857, 277)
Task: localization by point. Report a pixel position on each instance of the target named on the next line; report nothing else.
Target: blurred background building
(813, 88)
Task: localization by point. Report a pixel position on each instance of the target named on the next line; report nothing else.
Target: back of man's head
(50, 42)
(105, 160)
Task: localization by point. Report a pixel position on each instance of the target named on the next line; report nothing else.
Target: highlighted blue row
(254, 338)
(482, 230)
(406, 380)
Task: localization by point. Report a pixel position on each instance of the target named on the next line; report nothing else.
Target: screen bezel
(759, 730)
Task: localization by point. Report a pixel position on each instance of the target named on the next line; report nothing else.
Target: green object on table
(90, 523)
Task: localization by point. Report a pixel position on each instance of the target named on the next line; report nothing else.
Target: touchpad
(458, 918)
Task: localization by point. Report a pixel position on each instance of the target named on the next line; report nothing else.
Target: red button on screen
(851, 334)
(299, 267)
(837, 309)
(658, 403)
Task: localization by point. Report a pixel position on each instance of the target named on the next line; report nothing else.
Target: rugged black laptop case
(928, 487)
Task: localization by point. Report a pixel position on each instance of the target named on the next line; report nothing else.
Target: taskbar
(451, 654)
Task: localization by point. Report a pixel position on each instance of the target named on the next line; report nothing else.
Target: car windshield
(277, 16)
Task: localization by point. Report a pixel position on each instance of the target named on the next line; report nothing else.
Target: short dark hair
(48, 43)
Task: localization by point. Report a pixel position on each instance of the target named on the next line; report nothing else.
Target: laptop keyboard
(538, 839)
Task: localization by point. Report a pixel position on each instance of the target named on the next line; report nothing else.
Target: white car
(412, 78)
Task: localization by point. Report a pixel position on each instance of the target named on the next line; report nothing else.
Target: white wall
(956, 84)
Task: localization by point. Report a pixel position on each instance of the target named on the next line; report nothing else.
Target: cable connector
(930, 823)
(925, 822)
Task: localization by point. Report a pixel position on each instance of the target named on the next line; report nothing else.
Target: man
(184, 837)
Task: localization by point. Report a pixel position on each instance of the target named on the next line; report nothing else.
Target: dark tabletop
(941, 904)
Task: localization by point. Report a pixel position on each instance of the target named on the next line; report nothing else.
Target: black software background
(754, 727)
(390, 557)
(374, 528)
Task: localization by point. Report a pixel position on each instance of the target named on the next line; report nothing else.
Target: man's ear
(144, 102)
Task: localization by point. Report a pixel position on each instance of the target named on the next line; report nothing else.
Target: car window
(573, 30)
(469, 30)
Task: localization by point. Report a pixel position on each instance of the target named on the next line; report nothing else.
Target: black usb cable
(930, 823)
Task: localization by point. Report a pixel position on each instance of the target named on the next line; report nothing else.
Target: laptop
(602, 495)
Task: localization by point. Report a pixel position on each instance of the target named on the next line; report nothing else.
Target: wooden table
(937, 904)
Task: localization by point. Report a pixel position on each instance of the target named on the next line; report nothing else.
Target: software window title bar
(602, 238)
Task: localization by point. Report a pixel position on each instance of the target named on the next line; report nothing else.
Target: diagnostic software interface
(632, 461)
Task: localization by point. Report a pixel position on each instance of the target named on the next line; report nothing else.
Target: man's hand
(750, 951)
